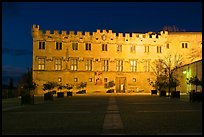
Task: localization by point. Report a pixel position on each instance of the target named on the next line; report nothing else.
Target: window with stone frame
(88, 64)
(41, 63)
(58, 64)
(73, 64)
(105, 65)
(133, 65)
(119, 65)
(41, 45)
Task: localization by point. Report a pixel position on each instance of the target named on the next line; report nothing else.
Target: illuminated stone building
(103, 56)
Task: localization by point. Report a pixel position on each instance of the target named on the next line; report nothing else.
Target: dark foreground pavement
(103, 115)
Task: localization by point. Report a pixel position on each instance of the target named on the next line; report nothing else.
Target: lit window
(58, 64)
(41, 63)
(90, 79)
(105, 65)
(119, 65)
(88, 65)
(75, 79)
(74, 64)
(133, 65)
(146, 65)
(59, 79)
(134, 79)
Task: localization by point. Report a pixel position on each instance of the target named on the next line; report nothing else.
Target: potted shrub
(194, 94)
(69, 87)
(110, 86)
(49, 86)
(81, 86)
(60, 94)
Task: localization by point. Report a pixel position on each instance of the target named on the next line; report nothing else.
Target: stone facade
(103, 56)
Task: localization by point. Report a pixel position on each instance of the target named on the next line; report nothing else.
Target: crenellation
(64, 32)
(71, 33)
(127, 35)
(98, 31)
(104, 31)
(120, 34)
(47, 32)
(110, 31)
(79, 33)
(87, 33)
(56, 32)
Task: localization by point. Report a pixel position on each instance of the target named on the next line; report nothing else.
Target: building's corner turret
(35, 30)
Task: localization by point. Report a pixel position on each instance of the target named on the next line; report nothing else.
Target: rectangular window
(74, 64)
(41, 63)
(119, 48)
(104, 47)
(88, 65)
(74, 46)
(167, 45)
(58, 45)
(132, 48)
(88, 46)
(59, 79)
(146, 65)
(90, 79)
(134, 79)
(105, 65)
(158, 49)
(119, 65)
(184, 45)
(41, 45)
(133, 65)
(75, 79)
(105, 79)
(58, 64)
(146, 49)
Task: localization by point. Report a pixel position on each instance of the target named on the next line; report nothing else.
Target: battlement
(100, 32)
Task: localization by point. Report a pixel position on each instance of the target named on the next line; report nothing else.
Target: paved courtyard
(122, 114)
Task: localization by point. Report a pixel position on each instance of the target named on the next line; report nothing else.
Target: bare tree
(165, 72)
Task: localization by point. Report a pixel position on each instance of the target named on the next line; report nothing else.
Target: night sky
(125, 17)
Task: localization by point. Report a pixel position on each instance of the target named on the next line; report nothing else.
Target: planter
(48, 96)
(175, 94)
(60, 94)
(153, 92)
(162, 93)
(110, 91)
(69, 93)
(195, 96)
(27, 99)
(81, 92)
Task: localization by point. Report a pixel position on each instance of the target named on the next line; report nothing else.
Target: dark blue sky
(126, 17)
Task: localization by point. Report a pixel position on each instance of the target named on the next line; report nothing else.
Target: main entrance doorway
(120, 84)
